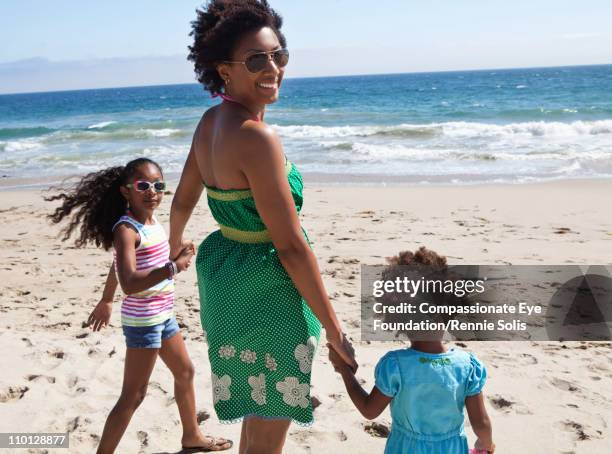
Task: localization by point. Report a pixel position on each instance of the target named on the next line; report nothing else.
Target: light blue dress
(428, 392)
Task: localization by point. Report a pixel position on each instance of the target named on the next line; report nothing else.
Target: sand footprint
(335, 396)
(599, 368)
(77, 423)
(500, 403)
(377, 429)
(528, 359)
(13, 393)
(143, 437)
(564, 385)
(354, 323)
(59, 354)
(36, 377)
(155, 385)
(575, 427)
(72, 381)
(94, 352)
(202, 416)
(508, 406)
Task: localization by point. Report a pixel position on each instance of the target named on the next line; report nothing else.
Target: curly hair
(421, 264)
(97, 202)
(422, 256)
(219, 26)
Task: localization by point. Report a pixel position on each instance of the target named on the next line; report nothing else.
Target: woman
(262, 297)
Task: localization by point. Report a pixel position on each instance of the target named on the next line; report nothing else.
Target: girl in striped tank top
(116, 209)
(154, 305)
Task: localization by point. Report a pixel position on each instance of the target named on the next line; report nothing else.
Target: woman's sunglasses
(142, 186)
(257, 62)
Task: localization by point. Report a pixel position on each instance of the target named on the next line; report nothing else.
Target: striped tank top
(156, 304)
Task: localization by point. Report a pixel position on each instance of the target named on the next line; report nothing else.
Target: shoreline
(8, 184)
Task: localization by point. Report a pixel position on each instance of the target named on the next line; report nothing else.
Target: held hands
(479, 446)
(341, 352)
(183, 259)
(339, 365)
(177, 248)
(100, 316)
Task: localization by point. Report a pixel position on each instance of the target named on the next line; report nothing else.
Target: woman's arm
(131, 280)
(263, 164)
(185, 199)
(481, 424)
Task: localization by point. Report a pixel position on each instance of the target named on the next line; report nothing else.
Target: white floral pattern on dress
(294, 393)
(227, 351)
(258, 394)
(270, 362)
(304, 354)
(248, 356)
(220, 386)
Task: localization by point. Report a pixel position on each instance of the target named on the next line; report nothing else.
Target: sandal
(215, 445)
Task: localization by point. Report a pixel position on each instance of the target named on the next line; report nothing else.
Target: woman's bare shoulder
(259, 142)
(257, 134)
(206, 122)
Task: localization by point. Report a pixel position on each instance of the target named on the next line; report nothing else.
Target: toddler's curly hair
(422, 263)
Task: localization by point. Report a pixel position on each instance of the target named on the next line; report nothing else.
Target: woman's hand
(480, 445)
(339, 365)
(177, 248)
(183, 261)
(341, 345)
(100, 316)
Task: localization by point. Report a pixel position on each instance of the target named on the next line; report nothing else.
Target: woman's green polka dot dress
(261, 334)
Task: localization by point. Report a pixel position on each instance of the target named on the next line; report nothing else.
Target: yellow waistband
(228, 196)
(245, 236)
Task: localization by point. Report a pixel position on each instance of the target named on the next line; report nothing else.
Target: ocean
(463, 127)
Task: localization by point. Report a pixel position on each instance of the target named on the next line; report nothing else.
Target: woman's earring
(227, 81)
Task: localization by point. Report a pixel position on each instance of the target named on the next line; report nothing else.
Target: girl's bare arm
(479, 419)
(131, 280)
(110, 287)
(369, 405)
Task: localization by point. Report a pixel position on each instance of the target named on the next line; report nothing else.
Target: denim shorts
(150, 336)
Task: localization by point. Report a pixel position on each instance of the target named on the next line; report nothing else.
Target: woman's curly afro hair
(218, 28)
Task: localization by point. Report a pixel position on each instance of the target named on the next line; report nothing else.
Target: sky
(69, 44)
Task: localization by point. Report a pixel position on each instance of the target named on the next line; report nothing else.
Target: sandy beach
(544, 397)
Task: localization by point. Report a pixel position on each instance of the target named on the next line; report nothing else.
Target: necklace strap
(228, 98)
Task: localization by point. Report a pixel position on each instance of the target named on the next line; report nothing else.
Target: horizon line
(312, 77)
